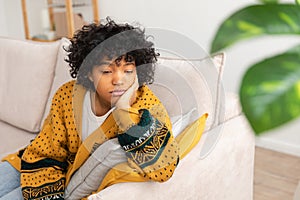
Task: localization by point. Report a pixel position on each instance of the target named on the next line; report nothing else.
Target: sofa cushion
(62, 73)
(13, 139)
(184, 85)
(26, 75)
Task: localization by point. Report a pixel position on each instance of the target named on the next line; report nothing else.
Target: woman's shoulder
(145, 90)
(68, 85)
(65, 89)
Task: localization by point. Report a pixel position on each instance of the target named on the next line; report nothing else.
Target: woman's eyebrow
(129, 63)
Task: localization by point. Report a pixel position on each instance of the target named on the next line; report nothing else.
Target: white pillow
(183, 85)
(90, 175)
(179, 122)
(26, 75)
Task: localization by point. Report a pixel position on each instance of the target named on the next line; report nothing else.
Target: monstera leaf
(270, 90)
(257, 20)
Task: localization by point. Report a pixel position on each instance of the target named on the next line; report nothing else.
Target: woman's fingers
(129, 96)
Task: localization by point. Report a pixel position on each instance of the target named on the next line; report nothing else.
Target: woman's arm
(146, 136)
(45, 161)
(150, 148)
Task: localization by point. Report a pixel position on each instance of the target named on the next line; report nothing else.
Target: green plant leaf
(257, 20)
(269, 1)
(270, 91)
(297, 2)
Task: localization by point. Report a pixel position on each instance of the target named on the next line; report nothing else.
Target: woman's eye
(105, 71)
(129, 71)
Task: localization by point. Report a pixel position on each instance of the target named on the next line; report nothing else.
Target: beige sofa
(219, 167)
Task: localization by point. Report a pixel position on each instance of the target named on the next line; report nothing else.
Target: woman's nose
(118, 78)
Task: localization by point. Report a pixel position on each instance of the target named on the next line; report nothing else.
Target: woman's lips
(117, 93)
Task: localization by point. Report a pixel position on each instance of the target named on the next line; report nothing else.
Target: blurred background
(199, 21)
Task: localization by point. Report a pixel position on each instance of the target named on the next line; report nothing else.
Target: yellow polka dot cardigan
(50, 160)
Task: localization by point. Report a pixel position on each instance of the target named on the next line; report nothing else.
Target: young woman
(112, 64)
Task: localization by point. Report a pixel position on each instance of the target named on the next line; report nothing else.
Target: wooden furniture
(68, 5)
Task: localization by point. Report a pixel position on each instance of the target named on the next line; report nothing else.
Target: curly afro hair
(95, 42)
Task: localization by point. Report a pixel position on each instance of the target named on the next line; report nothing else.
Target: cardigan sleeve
(149, 143)
(45, 161)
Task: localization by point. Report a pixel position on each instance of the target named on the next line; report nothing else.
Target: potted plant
(270, 89)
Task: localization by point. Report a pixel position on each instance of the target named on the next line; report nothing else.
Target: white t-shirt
(90, 122)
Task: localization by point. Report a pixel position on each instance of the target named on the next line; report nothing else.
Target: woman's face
(111, 78)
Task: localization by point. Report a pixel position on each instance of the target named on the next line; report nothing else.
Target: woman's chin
(114, 100)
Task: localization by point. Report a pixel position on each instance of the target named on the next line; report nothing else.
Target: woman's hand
(127, 99)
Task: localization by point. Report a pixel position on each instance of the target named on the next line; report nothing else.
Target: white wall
(3, 26)
(13, 19)
(197, 20)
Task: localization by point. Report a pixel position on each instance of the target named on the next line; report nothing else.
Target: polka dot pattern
(57, 142)
(164, 167)
(147, 100)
